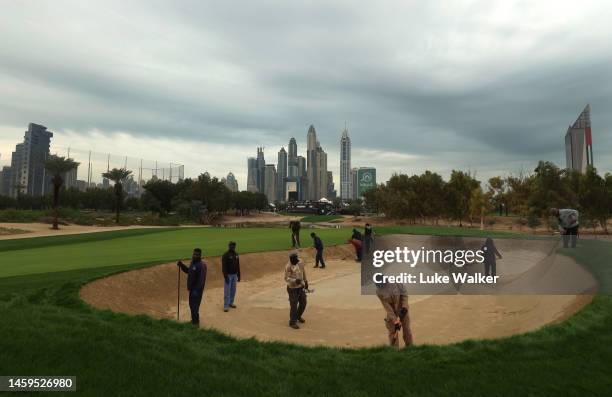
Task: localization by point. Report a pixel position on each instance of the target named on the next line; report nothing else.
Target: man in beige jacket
(295, 277)
(394, 299)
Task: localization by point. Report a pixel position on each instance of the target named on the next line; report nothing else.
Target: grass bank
(47, 330)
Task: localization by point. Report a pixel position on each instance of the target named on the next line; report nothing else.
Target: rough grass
(46, 330)
(91, 218)
(9, 231)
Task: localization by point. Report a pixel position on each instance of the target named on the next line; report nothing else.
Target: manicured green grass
(443, 231)
(51, 254)
(320, 218)
(46, 330)
(116, 248)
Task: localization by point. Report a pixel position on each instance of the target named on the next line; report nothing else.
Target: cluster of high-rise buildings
(292, 178)
(299, 178)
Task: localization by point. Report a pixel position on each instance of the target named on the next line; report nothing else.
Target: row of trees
(199, 199)
(202, 198)
(463, 197)
(416, 197)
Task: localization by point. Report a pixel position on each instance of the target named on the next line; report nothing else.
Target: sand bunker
(337, 314)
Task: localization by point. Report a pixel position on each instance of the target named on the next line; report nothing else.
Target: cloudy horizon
(486, 86)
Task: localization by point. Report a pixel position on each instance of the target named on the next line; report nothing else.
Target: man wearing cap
(368, 239)
(230, 265)
(394, 299)
(295, 277)
(196, 280)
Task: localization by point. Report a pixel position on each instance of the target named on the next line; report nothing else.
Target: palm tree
(118, 175)
(58, 166)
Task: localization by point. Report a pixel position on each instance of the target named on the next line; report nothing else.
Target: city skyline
(475, 86)
(578, 153)
(308, 177)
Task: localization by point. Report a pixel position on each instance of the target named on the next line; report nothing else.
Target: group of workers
(393, 297)
(196, 279)
(395, 305)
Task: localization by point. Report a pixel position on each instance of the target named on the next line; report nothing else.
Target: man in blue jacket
(318, 245)
(196, 280)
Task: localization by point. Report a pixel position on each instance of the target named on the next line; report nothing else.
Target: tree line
(528, 196)
(200, 199)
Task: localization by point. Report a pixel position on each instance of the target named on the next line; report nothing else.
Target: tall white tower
(346, 188)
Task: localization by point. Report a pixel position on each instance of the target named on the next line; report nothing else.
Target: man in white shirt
(568, 224)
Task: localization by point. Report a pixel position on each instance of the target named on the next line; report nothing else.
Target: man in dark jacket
(490, 254)
(230, 265)
(368, 240)
(196, 280)
(318, 245)
(295, 233)
(357, 241)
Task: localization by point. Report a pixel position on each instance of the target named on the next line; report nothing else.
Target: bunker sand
(337, 314)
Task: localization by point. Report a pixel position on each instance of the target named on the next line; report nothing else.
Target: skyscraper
(312, 172)
(354, 183)
(5, 180)
(281, 171)
(252, 174)
(16, 186)
(292, 159)
(302, 179)
(231, 182)
(345, 166)
(70, 178)
(331, 191)
(579, 142)
(261, 165)
(301, 167)
(28, 174)
(270, 182)
(321, 173)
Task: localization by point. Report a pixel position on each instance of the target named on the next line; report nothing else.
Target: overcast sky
(489, 86)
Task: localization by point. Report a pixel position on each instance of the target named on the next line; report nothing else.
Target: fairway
(53, 254)
(116, 248)
(47, 329)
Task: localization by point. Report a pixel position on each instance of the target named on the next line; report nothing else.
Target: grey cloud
(427, 78)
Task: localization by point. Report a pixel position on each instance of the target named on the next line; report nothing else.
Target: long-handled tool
(178, 295)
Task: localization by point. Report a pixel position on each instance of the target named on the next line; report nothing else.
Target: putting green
(56, 254)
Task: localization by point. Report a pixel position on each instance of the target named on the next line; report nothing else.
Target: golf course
(46, 328)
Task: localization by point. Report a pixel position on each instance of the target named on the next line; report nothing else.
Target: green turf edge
(576, 353)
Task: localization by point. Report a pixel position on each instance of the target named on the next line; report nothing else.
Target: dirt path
(43, 229)
(337, 314)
